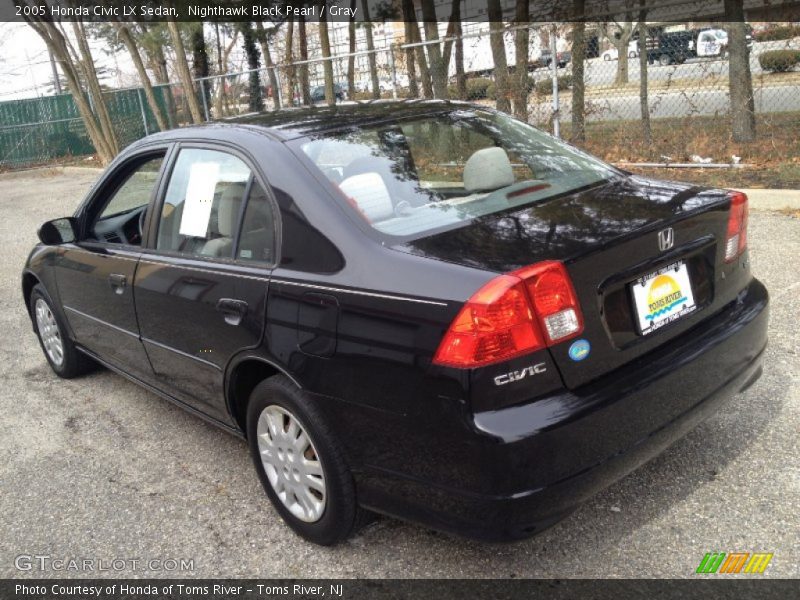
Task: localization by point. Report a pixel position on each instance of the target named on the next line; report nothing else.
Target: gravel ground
(99, 468)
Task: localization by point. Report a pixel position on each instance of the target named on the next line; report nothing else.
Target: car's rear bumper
(525, 467)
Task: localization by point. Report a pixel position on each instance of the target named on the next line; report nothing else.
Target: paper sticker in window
(203, 178)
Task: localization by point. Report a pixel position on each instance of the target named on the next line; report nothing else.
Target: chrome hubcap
(48, 331)
(291, 463)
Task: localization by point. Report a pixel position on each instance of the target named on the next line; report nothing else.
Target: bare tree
(200, 66)
(498, 45)
(351, 59)
(126, 38)
(644, 100)
(255, 95)
(413, 37)
(740, 81)
(264, 40)
(437, 66)
(57, 43)
(578, 79)
(410, 53)
(521, 39)
(305, 84)
(327, 65)
(619, 34)
(289, 60)
(453, 36)
(182, 66)
(373, 63)
(86, 65)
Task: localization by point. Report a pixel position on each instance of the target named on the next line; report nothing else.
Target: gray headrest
(488, 169)
(229, 204)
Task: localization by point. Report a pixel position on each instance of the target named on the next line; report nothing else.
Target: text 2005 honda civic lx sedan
(427, 310)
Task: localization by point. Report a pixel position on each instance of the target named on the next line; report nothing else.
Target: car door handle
(233, 310)
(118, 282)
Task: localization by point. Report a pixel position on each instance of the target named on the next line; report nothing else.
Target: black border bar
(387, 10)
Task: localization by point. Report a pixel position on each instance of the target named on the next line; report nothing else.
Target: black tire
(341, 516)
(74, 363)
(665, 60)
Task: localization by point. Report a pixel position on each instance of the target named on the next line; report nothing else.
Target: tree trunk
(578, 81)
(495, 14)
(373, 63)
(327, 65)
(90, 77)
(57, 44)
(461, 77)
(351, 60)
(200, 63)
(220, 70)
(256, 97)
(411, 67)
(289, 60)
(422, 62)
(183, 73)
(304, 82)
(263, 40)
(521, 38)
(743, 111)
(644, 101)
(438, 69)
(622, 66)
(125, 37)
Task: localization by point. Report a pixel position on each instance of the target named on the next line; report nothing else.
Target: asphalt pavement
(99, 468)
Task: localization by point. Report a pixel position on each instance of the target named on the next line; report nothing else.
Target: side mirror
(58, 231)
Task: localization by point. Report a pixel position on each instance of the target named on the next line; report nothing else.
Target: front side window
(415, 176)
(121, 220)
(203, 202)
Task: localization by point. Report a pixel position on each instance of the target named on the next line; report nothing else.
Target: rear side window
(257, 238)
(203, 202)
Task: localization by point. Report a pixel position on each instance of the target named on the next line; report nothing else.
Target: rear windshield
(408, 178)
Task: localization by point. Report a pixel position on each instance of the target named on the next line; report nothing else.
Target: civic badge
(666, 239)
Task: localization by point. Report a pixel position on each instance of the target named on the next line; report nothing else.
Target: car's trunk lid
(608, 237)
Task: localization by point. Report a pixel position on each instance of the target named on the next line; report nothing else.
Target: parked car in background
(613, 54)
(339, 92)
(679, 46)
(545, 59)
(429, 310)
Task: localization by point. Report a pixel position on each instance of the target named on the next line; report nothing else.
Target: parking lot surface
(99, 468)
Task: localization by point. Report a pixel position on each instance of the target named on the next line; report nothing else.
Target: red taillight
(513, 314)
(736, 238)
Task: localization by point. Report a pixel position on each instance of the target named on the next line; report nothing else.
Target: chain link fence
(686, 99)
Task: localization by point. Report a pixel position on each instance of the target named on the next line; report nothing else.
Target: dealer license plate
(663, 297)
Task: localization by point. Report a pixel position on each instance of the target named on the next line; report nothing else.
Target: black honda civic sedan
(428, 310)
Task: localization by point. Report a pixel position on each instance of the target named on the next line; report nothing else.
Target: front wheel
(300, 464)
(65, 360)
(665, 60)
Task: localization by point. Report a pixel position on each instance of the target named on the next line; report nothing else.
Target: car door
(95, 274)
(201, 288)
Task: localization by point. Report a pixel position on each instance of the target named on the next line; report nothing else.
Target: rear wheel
(65, 360)
(665, 60)
(300, 464)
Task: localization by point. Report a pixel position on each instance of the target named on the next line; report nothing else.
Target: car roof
(290, 123)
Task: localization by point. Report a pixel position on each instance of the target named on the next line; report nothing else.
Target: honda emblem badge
(666, 239)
